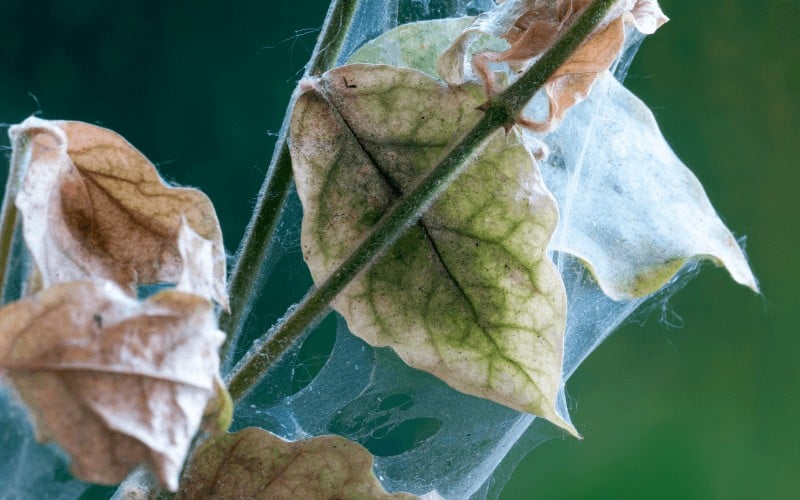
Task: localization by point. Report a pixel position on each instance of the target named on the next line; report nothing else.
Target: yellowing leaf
(468, 293)
(630, 209)
(114, 381)
(94, 207)
(531, 27)
(254, 464)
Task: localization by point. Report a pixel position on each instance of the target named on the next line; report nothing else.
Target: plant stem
(9, 215)
(255, 246)
(500, 111)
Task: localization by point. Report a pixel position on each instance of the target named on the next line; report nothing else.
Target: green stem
(500, 111)
(255, 246)
(9, 215)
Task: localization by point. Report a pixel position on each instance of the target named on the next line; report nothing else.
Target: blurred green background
(705, 408)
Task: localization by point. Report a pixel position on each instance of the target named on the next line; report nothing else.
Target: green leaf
(631, 210)
(253, 463)
(468, 293)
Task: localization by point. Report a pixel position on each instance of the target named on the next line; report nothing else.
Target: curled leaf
(531, 27)
(252, 463)
(94, 207)
(114, 381)
(631, 210)
(468, 293)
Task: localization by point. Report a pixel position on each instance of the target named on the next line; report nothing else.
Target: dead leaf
(254, 464)
(531, 27)
(114, 381)
(469, 293)
(94, 207)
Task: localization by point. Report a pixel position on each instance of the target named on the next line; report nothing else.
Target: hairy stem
(255, 246)
(500, 111)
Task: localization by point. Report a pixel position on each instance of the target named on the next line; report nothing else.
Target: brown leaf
(94, 207)
(114, 381)
(254, 464)
(533, 31)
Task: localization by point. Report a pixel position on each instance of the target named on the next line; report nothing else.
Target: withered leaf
(531, 27)
(114, 381)
(254, 464)
(469, 293)
(94, 207)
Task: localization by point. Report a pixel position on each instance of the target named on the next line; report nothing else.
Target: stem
(255, 246)
(500, 111)
(9, 215)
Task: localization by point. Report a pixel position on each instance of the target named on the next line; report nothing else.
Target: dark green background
(705, 410)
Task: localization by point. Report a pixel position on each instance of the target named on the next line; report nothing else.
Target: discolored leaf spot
(114, 381)
(94, 207)
(531, 27)
(631, 210)
(468, 293)
(253, 463)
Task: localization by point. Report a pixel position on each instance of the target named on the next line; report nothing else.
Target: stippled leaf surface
(631, 210)
(254, 464)
(94, 207)
(114, 381)
(468, 293)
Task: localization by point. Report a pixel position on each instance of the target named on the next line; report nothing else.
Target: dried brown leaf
(531, 27)
(94, 207)
(114, 381)
(254, 464)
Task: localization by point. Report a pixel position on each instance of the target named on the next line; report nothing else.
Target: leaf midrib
(398, 194)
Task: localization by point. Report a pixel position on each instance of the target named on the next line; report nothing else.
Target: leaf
(114, 381)
(418, 45)
(252, 463)
(630, 209)
(94, 207)
(467, 294)
(531, 27)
